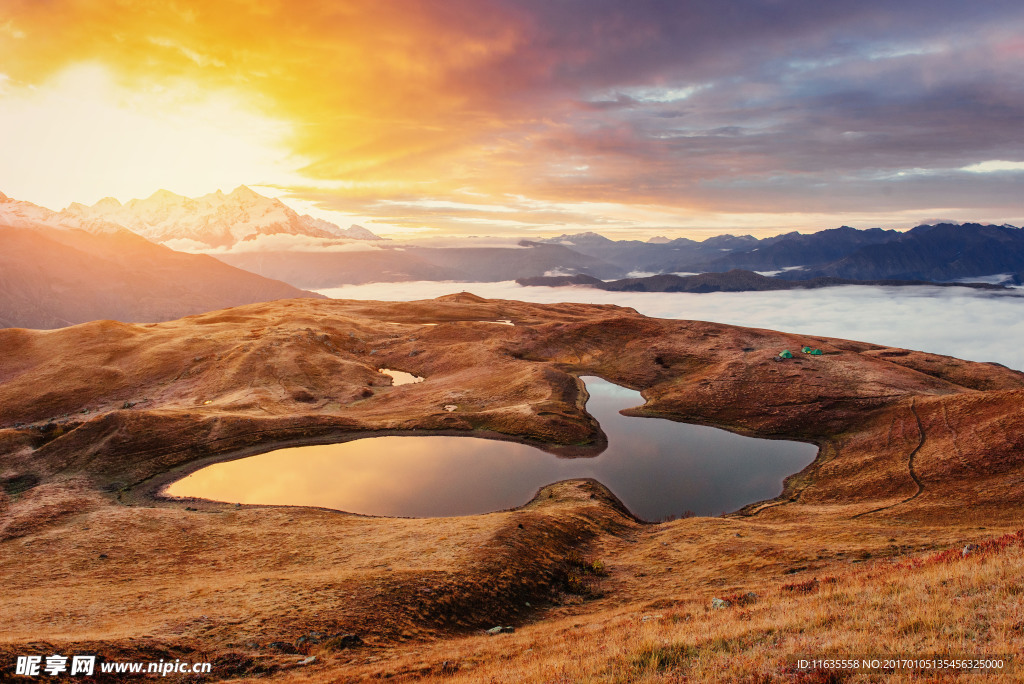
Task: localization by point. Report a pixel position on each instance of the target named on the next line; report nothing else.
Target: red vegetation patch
(992, 546)
(802, 587)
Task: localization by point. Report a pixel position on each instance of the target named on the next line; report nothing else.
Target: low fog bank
(969, 324)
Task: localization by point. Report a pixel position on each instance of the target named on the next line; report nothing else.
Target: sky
(513, 117)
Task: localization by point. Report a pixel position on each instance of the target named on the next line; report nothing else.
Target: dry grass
(938, 604)
(94, 417)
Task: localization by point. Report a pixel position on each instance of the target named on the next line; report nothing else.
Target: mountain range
(406, 262)
(113, 260)
(213, 220)
(58, 270)
(736, 280)
(937, 253)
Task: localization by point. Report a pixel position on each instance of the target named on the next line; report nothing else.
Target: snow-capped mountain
(21, 214)
(215, 220)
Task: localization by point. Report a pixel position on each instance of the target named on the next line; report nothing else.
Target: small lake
(658, 468)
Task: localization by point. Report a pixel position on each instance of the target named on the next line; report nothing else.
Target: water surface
(400, 377)
(658, 468)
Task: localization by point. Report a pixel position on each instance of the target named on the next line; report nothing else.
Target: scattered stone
(500, 630)
(450, 407)
(310, 638)
(308, 661)
(282, 646)
(647, 618)
(719, 604)
(340, 642)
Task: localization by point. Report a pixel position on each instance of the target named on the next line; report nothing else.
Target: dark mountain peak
(557, 281)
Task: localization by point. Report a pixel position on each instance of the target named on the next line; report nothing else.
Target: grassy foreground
(941, 603)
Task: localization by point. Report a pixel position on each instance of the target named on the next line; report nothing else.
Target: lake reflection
(658, 468)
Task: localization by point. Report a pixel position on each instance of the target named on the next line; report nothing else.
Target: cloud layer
(499, 116)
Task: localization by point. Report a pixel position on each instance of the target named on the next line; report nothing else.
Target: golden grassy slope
(918, 452)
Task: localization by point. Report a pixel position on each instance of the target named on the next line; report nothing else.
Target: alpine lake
(659, 469)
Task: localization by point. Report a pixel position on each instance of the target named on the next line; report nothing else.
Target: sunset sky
(488, 117)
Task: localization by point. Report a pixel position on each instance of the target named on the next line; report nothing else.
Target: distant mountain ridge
(736, 280)
(322, 270)
(929, 252)
(213, 220)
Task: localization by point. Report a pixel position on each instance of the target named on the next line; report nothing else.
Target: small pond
(658, 468)
(400, 377)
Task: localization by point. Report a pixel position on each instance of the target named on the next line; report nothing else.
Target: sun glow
(81, 136)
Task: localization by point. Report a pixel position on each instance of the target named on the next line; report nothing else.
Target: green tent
(806, 349)
(786, 354)
(815, 352)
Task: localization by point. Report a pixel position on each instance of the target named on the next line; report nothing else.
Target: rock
(310, 638)
(500, 630)
(969, 549)
(282, 646)
(340, 642)
(308, 661)
(719, 604)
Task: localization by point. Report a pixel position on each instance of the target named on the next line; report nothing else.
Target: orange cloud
(564, 114)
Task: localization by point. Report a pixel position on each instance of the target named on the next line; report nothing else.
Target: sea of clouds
(962, 322)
